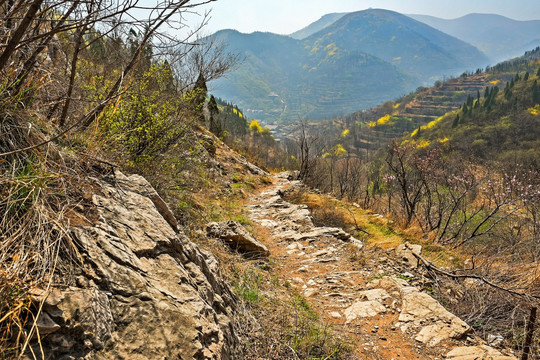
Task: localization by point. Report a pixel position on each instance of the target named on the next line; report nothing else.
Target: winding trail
(366, 295)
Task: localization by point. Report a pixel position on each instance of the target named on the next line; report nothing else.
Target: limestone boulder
(476, 353)
(144, 290)
(237, 237)
(436, 324)
(362, 309)
(406, 253)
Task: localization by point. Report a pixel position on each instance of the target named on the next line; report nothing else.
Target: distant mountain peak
(316, 26)
(499, 37)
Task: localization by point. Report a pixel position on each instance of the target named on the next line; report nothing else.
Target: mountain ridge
(498, 36)
(336, 71)
(323, 22)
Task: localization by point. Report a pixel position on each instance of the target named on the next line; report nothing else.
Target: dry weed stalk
(34, 242)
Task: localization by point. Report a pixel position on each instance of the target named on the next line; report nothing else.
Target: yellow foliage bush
(255, 127)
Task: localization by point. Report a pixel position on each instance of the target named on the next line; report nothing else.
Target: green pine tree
(215, 123)
(200, 96)
(535, 93)
(455, 123)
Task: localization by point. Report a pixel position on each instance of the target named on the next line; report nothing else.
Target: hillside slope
(501, 125)
(408, 44)
(282, 79)
(371, 130)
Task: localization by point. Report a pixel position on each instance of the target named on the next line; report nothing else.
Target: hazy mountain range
(346, 62)
(499, 37)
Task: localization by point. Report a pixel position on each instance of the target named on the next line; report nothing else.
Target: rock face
(237, 237)
(145, 291)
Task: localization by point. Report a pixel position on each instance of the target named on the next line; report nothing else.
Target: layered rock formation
(144, 290)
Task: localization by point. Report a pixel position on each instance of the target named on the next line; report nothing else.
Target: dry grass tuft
(276, 322)
(34, 242)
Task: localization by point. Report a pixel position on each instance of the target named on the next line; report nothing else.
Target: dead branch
(430, 266)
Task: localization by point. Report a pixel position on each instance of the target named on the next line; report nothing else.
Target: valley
(339, 69)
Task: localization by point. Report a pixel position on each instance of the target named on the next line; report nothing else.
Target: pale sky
(287, 16)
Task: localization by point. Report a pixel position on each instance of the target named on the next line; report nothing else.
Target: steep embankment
(375, 302)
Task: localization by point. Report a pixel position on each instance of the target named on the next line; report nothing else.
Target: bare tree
(307, 147)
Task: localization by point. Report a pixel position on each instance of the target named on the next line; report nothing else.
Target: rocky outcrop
(145, 291)
(237, 237)
(420, 315)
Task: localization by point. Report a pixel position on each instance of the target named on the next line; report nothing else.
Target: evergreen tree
(469, 101)
(465, 109)
(535, 93)
(199, 97)
(526, 76)
(507, 92)
(215, 123)
(538, 72)
(456, 121)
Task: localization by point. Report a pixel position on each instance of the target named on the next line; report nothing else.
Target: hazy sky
(287, 16)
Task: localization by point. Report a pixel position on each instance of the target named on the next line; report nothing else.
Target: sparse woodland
(468, 181)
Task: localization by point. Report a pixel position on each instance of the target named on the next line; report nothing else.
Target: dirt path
(366, 295)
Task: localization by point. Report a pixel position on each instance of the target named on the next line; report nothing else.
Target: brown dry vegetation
(488, 310)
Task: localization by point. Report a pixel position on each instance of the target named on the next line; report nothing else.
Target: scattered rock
(495, 340)
(363, 309)
(419, 309)
(405, 252)
(407, 275)
(208, 143)
(375, 295)
(289, 175)
(237, 237)
(46, 325)
(476, 353)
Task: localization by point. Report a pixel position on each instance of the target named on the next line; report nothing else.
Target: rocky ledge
(145, 291)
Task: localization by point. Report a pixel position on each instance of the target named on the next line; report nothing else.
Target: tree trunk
(18, 34)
